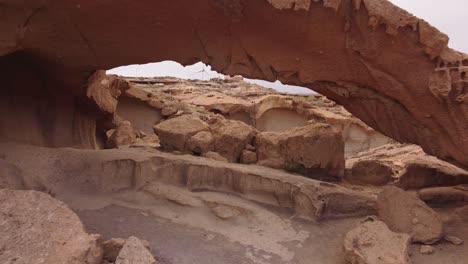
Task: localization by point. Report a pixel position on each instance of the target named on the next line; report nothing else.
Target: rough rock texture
(411, 167)
(350, 51)
(231, 137)
(370, 172)
(201, 143)
(112, 248)
(215, 156)
(36, 228)
(104, 91)
(445, 195)
(174, 133)
(406, 213)
(103, 172)
(315, 147)
(123, 135)
(134, 252)
(10, 176)
(248, 157)
(373, 243)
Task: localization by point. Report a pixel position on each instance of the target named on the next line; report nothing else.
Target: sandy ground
(175, 243)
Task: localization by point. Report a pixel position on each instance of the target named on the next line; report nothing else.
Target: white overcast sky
(449, 16)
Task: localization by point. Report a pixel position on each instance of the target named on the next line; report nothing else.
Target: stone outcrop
(409, 168)
(104, 172)
(315, 148)
(36, 228)
(123, 135)
(350, 51)
(445, 195)
(406, 213)
(134, 252)
(174, 133)
(231, 137)
(373, 243)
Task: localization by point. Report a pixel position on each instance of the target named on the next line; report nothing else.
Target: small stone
(134, 251)
(225, 212)
(248, 157)
(426, 250)
(453, 239)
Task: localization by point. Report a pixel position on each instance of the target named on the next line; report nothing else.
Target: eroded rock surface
(408, 165)
(36, 228)
(406, 213)
(134, 252)
(354, 57)
(107, 172)
(315, 148)
(373, 243)
(174, 133)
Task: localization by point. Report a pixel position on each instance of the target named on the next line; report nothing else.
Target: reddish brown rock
(316, 147)
(134, 252)
(174, 133)
(231, 137)
(36, 228)
(406, 213)
(373, 243)
(409, 166)
(123, 135)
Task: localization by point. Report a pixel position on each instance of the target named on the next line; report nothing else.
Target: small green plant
(291, 166)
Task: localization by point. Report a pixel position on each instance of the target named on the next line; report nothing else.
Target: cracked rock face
(36, 228)
(373, 243)
(348, 50)
(406, 213)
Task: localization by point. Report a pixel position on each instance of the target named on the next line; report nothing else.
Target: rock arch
(389, 68)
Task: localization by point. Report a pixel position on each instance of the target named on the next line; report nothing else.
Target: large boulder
(231, 137)
(123, 135)
(174, 133)
(404, 212)
(409, 168)
(373, 243)
(112, 247)
(36, 228)
(372, 172)
(316, 147)
(134, 252)
(201, 143)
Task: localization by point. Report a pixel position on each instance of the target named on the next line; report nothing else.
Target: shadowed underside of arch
(389, 68)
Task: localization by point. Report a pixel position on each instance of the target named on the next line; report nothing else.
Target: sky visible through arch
(449, 16)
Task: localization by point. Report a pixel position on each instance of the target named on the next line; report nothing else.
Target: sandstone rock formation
(231, 137)
(445, 195)
(134, 252)
(174, 133)
(409, 168)
(107, 172)
(315, 148)
(123, 135)
(406, 213)
(373, 243)
(39, 229)
(10, 176)
(354, 58)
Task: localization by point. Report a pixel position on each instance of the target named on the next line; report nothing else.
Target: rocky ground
(223, 171)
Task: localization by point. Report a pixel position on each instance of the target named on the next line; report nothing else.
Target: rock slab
(406, 213)
(37, 228)
(372, 242)
(134, 252)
